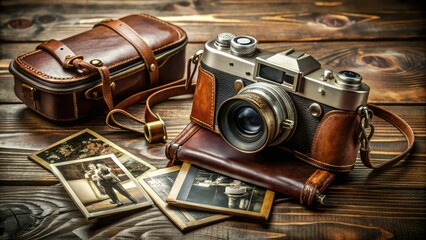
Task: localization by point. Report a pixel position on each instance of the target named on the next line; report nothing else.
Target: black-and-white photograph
(202, 189)
(158, 185)
(101, 185)
(85, 144)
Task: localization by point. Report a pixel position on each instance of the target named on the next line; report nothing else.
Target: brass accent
(152, 133)
(321, 91)
(95, 94)
(320, 198)
(28, 92)
(113, 85)
(96, 62)
(238, 85)
(152, 67)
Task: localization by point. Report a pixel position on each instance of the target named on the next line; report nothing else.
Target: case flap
(272, 168)
(106, 45)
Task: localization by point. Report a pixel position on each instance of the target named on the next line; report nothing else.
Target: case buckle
(29, 92)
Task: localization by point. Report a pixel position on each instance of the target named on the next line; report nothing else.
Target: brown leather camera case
(69, 79)
(274, 169)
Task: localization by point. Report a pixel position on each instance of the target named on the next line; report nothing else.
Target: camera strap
(367, 114)
(154, 128)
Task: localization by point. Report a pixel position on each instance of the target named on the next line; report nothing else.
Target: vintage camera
(261, 98)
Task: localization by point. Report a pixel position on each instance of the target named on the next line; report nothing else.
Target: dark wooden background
(383, 40)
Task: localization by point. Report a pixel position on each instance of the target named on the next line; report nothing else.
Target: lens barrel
(253, 119)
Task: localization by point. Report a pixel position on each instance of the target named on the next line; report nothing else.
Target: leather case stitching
(20, 60)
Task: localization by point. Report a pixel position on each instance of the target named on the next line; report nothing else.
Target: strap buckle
(68, 61)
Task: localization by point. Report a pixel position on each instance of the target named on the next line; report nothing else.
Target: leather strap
(138, 43)
(402, 126)
(70, 60)
(60, 51)
(154, 127)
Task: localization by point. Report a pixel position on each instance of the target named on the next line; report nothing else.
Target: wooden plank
(393, 70)
(268, 20)
(47, 211)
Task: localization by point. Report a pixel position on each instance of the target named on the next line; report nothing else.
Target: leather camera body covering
(328, 142)
(66, 80)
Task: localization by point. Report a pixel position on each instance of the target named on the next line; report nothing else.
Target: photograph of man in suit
(109, 181)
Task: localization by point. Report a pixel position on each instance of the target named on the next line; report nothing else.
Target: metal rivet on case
(96, 62)
(95, 94)
(113, 86)
(321, 91)
(152, 67)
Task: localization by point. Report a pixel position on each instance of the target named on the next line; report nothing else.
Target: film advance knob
(243, 45)
(349, 79)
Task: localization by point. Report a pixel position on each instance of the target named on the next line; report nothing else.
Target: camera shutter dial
(243, 45)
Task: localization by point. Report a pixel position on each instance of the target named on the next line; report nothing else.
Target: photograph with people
(102, 184)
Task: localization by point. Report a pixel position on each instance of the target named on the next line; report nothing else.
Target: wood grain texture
(382, 40)
(273, 20)
(46, 212)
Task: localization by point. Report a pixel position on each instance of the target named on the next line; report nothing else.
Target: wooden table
(382, 40)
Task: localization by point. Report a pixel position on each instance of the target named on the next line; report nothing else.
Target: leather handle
(402, 126)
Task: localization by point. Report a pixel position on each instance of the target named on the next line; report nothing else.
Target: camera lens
(248, 120)
(255, 117)
(242, 125)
